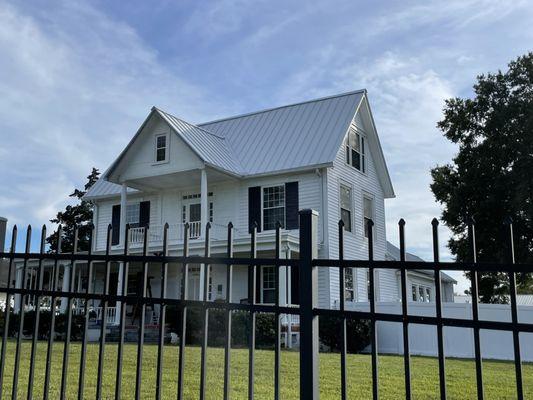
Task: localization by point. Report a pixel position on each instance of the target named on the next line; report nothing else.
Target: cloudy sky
(77, 79)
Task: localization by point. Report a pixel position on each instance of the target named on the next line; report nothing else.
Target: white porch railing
(111, 313)
(175, 232)
(110, 316)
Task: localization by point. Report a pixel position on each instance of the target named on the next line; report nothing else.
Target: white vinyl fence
(458, 342)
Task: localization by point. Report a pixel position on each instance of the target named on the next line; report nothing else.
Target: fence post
(308, 301)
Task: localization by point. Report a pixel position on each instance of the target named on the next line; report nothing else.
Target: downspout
(323, 204)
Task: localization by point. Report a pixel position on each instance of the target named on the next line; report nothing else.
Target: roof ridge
(189, 123)
(280, 107)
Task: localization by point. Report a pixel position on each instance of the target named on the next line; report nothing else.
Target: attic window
(161, 148)
(355, 150)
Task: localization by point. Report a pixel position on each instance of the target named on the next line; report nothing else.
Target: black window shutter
(115, 223)
(295, 285)
(144, 214)
(291, 205)
(254, 207)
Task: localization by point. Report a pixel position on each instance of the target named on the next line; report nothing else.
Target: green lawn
(499, 376)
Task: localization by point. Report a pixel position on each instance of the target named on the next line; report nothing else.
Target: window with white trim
(355, 150)
(346, 207)
(268, 284)
(132, 214)
(368, 212)
(273, 207)
(349, 286)
(161, 148)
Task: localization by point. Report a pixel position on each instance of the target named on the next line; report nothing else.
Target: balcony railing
(175, 232)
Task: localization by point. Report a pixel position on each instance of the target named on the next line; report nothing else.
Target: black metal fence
(308, 310)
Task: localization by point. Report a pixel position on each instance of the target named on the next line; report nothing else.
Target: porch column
(203, 221)
(123, 205)
(65, 287)
(119, 292)
(204, 217)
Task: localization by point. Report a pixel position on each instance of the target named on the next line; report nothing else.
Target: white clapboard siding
(104, 214)
(355, 244)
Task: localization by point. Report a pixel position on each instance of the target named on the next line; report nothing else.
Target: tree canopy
(491, 176)
(78, 215)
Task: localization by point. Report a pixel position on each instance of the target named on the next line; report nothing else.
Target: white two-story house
(260, 167)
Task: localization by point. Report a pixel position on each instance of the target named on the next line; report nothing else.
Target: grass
(499, 376)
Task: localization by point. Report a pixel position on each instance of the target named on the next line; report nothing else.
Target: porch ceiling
(177, 179)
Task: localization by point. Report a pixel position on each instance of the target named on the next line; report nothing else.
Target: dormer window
(161, 148)
(355, 150)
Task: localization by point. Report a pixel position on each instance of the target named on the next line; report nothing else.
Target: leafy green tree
(491, 177)
(78, 215)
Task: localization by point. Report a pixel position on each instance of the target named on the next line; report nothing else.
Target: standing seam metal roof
(289, 137)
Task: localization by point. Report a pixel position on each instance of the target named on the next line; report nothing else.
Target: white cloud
(72, 79)
(220, 17)
(406, 97)
(452, 14)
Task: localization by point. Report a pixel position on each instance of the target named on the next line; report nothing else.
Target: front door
(195, 212)
(192, 213)
(193, 288)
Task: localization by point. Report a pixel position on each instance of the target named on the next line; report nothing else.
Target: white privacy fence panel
(458, 342)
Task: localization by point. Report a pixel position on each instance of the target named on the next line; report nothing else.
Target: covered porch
(194, 206)
(216, 290)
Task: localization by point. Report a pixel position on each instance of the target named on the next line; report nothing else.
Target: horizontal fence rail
(74, 298)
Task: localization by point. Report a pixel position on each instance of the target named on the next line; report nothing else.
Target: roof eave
(388, 189)
(110, 170)
(290, 170)
(163, 115)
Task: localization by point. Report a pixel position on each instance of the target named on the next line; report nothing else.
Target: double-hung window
(161, 147)
(355, 150)
(273, 207)
(368, 212)
(346, 207)
(132, 214)
(268, 280)
(349, 286)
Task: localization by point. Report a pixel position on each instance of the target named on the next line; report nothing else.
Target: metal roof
(289, 137)
(292, 137)
(103, 188)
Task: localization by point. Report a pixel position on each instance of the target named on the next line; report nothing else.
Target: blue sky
(77, 79)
